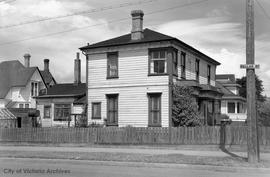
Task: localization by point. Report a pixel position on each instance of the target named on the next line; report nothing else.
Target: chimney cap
(27, 55)
(135, 13)
(46, 60)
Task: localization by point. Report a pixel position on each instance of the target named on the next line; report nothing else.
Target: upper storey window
(183, 65)
(158, 62)
(112, 65)
(208, 74)
(197, 69)
(34, 89)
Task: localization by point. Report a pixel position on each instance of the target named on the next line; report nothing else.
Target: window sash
(154, 109)
(112, 65)
(96, 110)
(158, 62)
(208, 73)
(197, 69)
(112, 109)
(183, 65)
(62, 112)
(47, 111)
(231, 107)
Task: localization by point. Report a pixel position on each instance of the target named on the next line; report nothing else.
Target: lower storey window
(112, 109)
(154, 100)
(96, 110)
(62, 112)
(47, 111)
(231, 107)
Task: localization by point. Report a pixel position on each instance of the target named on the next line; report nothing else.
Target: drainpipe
(86, 80)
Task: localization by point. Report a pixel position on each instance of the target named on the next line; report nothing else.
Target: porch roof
(6, 114)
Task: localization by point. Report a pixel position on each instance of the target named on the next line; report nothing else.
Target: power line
(7, 1)
(263, 9)
(80, 13)
(99, 24)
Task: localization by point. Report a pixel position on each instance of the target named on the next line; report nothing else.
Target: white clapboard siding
(132, 86)
(190, 67)
(132, 104)
(133, 69)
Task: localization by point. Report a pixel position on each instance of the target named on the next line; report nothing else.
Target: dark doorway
(19, 122)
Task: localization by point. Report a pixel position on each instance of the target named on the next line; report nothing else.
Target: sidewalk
(148, 154)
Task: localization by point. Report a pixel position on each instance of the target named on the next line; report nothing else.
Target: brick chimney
(137, 25)
(77, 69)
(46, 64)
(27, 57)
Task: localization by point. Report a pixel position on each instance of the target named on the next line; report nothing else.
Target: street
(24, 167)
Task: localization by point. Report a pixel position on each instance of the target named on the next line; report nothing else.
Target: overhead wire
(99, 24)
(80, 13)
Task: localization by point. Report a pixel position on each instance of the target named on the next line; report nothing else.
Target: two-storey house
(129, 78)
(232, 103)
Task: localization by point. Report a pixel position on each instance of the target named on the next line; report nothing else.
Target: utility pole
(253, 142)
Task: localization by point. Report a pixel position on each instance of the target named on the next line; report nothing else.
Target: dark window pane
(155, 110)
(231, 107)
(162, 54)
(156, 54)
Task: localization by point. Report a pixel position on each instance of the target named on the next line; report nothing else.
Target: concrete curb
(150, 164)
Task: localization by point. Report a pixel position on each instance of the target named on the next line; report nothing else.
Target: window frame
(197, 69)
(27, 105)
(93, 116)
(150, 121)
(209, 74)
(117, 65)
(228, 110)
(183, 64)
(152, 50)
(34, 89)
(115, 110)
(21, 105)
(44, 111)
(175, 61)
(69, 111)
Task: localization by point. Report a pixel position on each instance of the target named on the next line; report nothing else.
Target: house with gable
(19, 85)
(232, 103)
(63, 104)
(130, 77)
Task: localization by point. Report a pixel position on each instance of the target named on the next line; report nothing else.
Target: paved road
(77, 168)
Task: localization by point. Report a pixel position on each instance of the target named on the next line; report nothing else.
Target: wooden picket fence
(206, 135)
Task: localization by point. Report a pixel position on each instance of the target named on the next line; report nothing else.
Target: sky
(215, 27)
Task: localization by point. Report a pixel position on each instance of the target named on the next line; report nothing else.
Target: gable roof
(47, 76)
(149, 36)
(227, 94)
(13, 74)
(229, 77)
(65, 90)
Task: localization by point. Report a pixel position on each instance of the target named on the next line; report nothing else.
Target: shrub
(185, 109)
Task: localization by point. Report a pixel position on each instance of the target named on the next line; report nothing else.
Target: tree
(185, 109)
(264, 114)
(259, 88)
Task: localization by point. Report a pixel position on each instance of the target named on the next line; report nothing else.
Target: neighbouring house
(46, 74)
(19, 85)
(129, 78)
(232, 103)
(63, 104)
